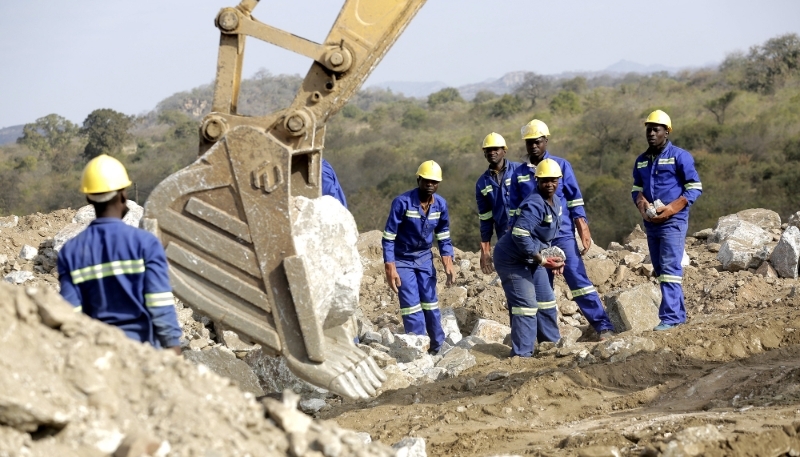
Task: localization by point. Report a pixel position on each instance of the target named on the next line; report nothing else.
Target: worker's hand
(176, 349)
(391, 276)
(584, 234)
(643, 204)
(447, 261)
(665, 212)
(487, 266)
(554, 263)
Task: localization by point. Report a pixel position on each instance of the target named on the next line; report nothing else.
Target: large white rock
(634, 309)
(764, 218)
(9, 221)
(786, 255)
(450, 326)
(86, 215)
(411, 447)
(19, 277)
(747, 233)
(490, 331)
(28, 252)
(325, 234)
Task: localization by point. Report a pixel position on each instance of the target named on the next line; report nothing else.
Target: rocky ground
(725, 383)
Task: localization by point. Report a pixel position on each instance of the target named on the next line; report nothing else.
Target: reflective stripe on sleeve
(693, 185)
(670, 278)
(583, 291)
(548, 218)
(103, 270)
(486, 190)
(485, 216)
(77, 309)
(574, 203)
(508, 181)
(641, 164)
(523, 178)
(435, 215)
(520, 232)
(410, 310)
(547, 304)
(389, 236)
(523, 311)
(412, 214)
(669, 161)
(430, 306)
(159, 299)
(443, 236)
(637, 189)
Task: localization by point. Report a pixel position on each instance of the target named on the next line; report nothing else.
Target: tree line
(741, 121)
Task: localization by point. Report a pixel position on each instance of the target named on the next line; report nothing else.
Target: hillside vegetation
(741, 122)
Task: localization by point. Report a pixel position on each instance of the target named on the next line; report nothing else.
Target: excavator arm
(225, 219)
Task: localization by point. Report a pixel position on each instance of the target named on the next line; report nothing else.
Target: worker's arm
(158, 296)
(330, 183)
(530, 217)
(442, 234)
(638, 183)
(484, 196)
(387, 242)
(577, 212)
(688, 176)
(519, 188)
(69, 291)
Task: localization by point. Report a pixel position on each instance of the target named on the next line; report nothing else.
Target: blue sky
(73, 57)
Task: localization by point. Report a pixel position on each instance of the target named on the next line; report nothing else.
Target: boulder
(638, 245)
(224, 363)
(636, 234)
(28, 252)
(766, 271)
(450, 326)
(410, 447)
(490, 331)
(736, 255)
(408, 347)
(634, 309)
(633, 259)
(599, 270)
(232, 340)
(703, 234)
(794, 220)
(747, 233)
(275, 376)
(786, 254)
(614, 246)
(371, 337)
(9, 221)
(468, 342)
(395, 379)
(568, 307)
(325, 236)
(764, 218)
(455, 361)
(19, 277)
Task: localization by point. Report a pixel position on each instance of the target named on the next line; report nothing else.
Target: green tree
(446, 95)
(48, 135)
(484, 96)
(506, 106)
(414, 117)
(534, 87)
(765, 67)
(577, 84)
(718, 106)
(106, 132)
(565, 102)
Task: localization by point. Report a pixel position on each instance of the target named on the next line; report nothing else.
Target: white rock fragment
(411, 447)
(28, 252)
(19, 277)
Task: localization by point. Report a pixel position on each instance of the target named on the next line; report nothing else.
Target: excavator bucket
(225, 219)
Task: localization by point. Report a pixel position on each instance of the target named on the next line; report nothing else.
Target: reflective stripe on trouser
(666, 252)
(520, 289)
(547, 312)
(583, 291)
(419, 303)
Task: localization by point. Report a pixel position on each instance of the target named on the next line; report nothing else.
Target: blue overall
(407, 241)
(583, 291)
(493, 200)
(117, 274)
(523, 278)
(666, 177)
(330, 183)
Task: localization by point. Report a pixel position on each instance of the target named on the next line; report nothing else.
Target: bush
(506, 106)
(566, 103)
(446, 95)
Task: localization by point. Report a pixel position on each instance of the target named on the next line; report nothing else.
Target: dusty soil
(735, 366)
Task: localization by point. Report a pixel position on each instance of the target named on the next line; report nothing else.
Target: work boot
(606, 335)
(662, 326)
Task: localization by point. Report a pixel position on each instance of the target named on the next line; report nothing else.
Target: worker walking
(114, 272)
(492, 195)
(536, 135)
(415, 219)
(665, 173)
(330, 183)
(521, 265)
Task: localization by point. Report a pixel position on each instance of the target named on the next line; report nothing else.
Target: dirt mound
(74, 386)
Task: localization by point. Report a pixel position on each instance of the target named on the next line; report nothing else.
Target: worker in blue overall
(521, 266)
(116, 273)
(536, 135)
(492, 194)
(415, 219)
(666, 172)
(330, 183)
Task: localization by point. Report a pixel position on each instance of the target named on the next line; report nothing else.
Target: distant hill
(626, 66)
(10, 134)
(411, 89)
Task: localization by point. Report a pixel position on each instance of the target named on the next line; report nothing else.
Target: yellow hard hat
(494, 140)
(535, 129)
(548, 168)
(430, 170)
(659, 117)
(104, 174)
